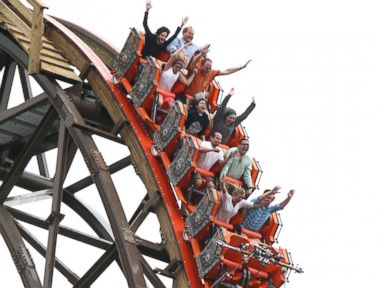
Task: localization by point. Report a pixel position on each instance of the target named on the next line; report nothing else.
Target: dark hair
(197, 101)
(213, 134)
(242, 139)
(205, 60)
(229, 111)
(162, 29)
(266, 191)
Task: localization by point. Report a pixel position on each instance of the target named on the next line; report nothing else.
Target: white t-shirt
(168, 79)
(227, 211)
(207, 160)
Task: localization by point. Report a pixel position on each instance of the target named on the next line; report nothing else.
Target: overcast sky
(316, 74)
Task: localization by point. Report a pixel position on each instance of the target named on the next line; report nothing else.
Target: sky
(316, 74)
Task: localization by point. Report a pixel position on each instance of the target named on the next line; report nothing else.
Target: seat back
(199, 222)
(167, 137)
(270, 229)
(237, 135)
(256, 173)
(125, 64)
(145, 86)
(213, 96)
(182, 165)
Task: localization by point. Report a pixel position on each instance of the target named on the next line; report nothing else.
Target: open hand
(205, 50)
(184, 20)
(148, 5)
(276, 189)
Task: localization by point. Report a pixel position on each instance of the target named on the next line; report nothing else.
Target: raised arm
(223, 189)
(286, 201)
(225, 168)
(174, 56)
(221, 109)
(201, 54)
(173, 37)
(229, 156)
(188, 81)
(233, 70)
(145, 21)
(275, 190)
(245, 114)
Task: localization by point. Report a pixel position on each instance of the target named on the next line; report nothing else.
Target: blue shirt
(178, 42)
(238, 167)
(256, 217)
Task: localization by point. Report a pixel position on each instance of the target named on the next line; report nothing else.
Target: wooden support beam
(25, 13)
(16, 20)
(34, 64)
(37, 4)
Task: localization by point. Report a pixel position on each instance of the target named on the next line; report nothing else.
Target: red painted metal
(155, 164)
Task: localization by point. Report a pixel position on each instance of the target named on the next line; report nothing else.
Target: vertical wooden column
(36, 36)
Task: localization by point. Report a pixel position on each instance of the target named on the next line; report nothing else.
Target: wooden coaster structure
(59, 54)
(67, 128)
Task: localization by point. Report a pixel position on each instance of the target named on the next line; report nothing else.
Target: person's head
(177, 65)
(188, 34)
(238, 194)
(216, 139)
(243, 146)
(200, 105)
(229, 116)
(206, 66)
(267, 201)
(162, 34)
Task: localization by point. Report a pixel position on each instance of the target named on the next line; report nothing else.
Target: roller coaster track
(87, 91)
(64, 125)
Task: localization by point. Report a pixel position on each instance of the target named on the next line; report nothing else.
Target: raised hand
(290, 193)
(276, 189)
(148, 5)
(253, 100)
(222, 184)
(246, 64)
(184, 20)
(231, 92)
(234, 154)
(205, 50)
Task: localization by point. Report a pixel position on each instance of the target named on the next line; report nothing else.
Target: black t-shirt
(196, 124)
(151, 48)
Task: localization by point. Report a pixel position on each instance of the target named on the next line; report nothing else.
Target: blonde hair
(234, 189)
(182, 57)
(238, 190)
